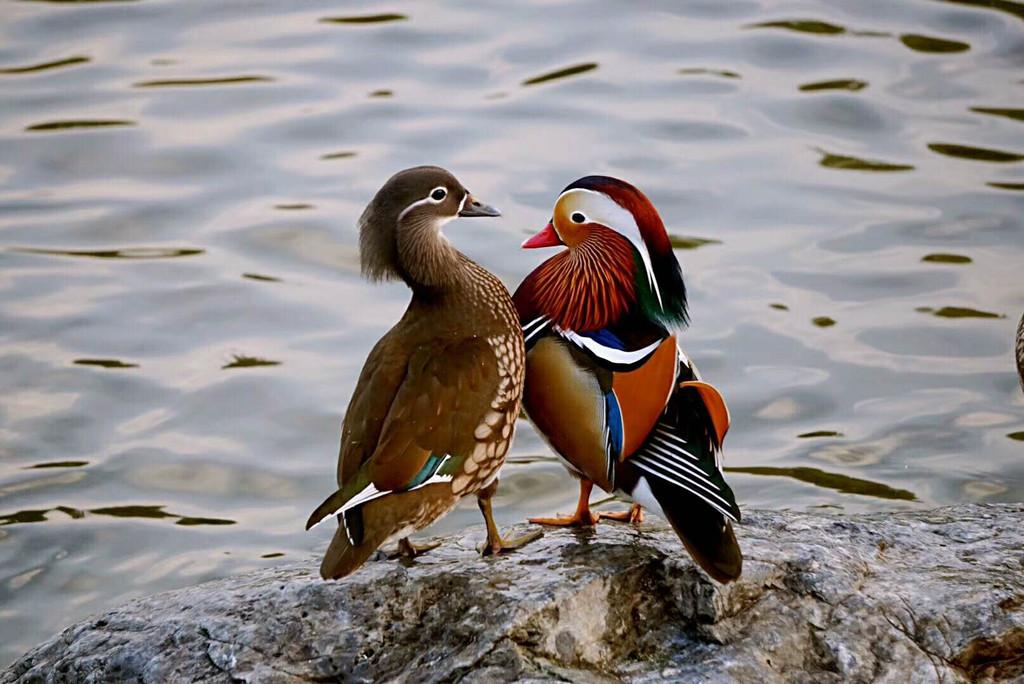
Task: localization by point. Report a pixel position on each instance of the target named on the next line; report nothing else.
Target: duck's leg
(581, 518)
(495, 544)
(634, 515)
(409, 550)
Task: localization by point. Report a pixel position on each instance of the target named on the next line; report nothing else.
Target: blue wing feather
(616, 432)
(606, 337)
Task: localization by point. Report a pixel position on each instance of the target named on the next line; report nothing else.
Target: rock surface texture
(905, 597)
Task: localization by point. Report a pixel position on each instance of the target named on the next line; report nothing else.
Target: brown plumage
(433, 412)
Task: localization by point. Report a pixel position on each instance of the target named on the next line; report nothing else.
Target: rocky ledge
(905, 597)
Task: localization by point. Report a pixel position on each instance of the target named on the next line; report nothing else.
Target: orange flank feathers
(715, 404)
(643, 393)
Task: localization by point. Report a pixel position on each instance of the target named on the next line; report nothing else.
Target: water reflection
(240, 361)
(105, 363)
(1017, 114)
(71, 124)
(574, 70)
(365, 19)
(850, 163)
(958, 312)
(45, 66)
(814, 434)
(57, 464)
(1008, 6)
(840, 483)
(124, 253)
(975, 153)
(699, 71)
(803, 26)
(851, 84)
(946, 258)
(149, 512)
(202, 82)
(260, 277)
(921, 43)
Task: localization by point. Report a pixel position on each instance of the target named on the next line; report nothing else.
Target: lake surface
(182, 319)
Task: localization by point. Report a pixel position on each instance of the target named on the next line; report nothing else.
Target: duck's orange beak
(547, 237)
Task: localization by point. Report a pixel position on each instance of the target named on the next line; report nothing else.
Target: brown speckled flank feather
(433, 412)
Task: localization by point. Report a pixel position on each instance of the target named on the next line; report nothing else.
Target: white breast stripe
(535, 321)
(541, 325)
(610, 354)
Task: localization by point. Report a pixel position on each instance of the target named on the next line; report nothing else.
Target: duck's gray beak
(474, 207)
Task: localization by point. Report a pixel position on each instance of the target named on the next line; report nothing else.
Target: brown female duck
(433, 413)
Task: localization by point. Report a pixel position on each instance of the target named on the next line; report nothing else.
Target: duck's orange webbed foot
(583, 517)
(587, 519)
(634, 515)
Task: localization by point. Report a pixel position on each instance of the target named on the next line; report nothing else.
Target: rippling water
(182, 321)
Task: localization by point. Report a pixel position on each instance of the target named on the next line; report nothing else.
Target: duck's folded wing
(684, 448)
(447, 392)
(444, 395)
(382, 375)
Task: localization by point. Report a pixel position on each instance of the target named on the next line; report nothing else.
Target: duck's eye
(577, 217)
(438, 194)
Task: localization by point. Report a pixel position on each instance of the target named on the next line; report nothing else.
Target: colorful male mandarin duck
(606, 383)
(432, 415)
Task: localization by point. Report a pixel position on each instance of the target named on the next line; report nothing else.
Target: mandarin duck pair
(588, 346)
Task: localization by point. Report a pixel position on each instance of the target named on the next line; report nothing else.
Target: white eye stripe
(606, 211)
(429, 199)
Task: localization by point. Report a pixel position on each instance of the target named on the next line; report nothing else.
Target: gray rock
(905, 597)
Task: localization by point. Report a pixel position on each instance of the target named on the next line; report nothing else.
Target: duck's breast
(565, 402)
